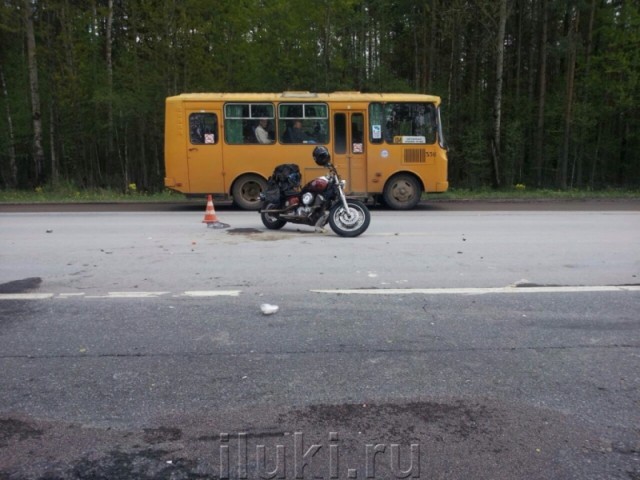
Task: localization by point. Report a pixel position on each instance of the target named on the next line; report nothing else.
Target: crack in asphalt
(316, 352)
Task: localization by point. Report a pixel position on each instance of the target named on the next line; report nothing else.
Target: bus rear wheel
(402, 192)
(246, 191)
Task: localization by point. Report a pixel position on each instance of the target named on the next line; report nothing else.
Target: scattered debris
(268, 309)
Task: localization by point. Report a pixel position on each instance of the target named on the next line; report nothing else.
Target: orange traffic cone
(210, 217)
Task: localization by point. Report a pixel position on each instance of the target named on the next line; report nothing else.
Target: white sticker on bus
(409, 139)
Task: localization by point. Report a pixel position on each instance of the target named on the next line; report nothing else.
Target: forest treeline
(537, 92)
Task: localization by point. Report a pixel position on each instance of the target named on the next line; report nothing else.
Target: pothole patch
(21, 286)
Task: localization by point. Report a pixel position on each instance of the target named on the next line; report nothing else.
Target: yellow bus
(387, 147)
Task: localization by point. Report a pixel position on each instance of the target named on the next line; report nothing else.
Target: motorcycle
(320, 201)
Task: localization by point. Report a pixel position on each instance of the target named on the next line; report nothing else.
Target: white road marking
(210, 293)
(129, 295)
(25, 296)
(70, 295)
(191, 294)
(480, 291)
(363, 291)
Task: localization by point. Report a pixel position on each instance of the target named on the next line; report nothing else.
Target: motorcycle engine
(307, 198)
(303, 211)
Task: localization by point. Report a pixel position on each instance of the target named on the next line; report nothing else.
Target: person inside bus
(262, 134)
(295, 134)
(197, 136)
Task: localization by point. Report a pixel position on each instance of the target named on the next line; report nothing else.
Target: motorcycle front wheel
(271, 221)
(351, 222)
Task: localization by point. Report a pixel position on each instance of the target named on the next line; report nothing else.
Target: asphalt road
(493, 342)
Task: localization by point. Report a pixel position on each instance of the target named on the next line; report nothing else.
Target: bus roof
(305, 97)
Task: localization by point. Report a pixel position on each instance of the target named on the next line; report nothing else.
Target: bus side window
(203, 128)
(303, 123)
(357, 124)
(242, 119)
(376, 122)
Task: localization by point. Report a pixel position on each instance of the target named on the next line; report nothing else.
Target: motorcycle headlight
(343, 183)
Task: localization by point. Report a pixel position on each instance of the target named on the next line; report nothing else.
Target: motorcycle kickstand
(322, 221)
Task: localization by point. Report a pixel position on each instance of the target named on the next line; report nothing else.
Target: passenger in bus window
(295, 134)
(197, 133)
(248, 132)
(391, 128)
(262, 134)
(197, 136)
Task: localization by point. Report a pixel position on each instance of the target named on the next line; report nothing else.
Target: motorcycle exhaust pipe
(279, 210)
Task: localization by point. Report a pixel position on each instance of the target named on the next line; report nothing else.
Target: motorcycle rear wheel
(271, 221)
(352, 222)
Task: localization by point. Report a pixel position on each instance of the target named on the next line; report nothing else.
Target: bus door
(204, 151)
(349, 149)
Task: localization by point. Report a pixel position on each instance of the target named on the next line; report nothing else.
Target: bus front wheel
(246, 191)
(402, 192)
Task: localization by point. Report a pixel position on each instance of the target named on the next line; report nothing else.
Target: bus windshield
(403, 123)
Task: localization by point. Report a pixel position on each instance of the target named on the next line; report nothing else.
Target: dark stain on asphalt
(162, 434)
(458, 420)
(13, 429)
(428, 412)
(141, 465)
(488, 440)
(21, 286)
(243, 231)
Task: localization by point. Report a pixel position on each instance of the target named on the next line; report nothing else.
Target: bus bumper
(442, 186)
(171, 182)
